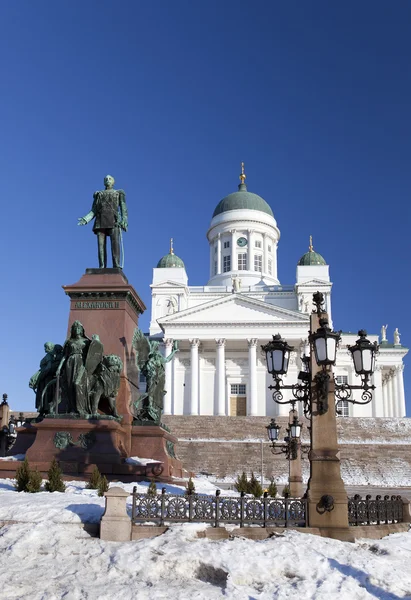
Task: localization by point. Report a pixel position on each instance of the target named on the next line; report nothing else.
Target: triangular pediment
(314, 282)
(235, 309)
(169, 284)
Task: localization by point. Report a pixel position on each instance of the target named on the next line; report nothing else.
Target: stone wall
(373, 451)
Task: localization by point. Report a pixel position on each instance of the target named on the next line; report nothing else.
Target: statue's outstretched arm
(90, 215)
(170, 356)
(86, 219)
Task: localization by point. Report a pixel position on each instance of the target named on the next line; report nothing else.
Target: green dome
(170, 260)
(311, 257)
(242, 199)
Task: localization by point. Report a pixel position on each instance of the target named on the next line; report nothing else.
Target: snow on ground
(45, 556)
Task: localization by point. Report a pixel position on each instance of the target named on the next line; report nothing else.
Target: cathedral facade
(220, 327)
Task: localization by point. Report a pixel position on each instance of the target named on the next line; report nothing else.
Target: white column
(168, 343)
(401, 388)
(194, 344)
(252, 369)
(212, 259)
(250, 253)
(393, 392)
(221, 377)
(377, 401)
(218, 254)
(266, 239)
(328, 309)
(384, 395)
(234, 265)
(399, 384)
(275, 259)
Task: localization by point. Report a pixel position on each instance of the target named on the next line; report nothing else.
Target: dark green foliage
(55, 481)
(272, 489)
(190, 488)
(27, 480)
(255, 487)
(103, 485)
(94, 480)
(152, 488)
(34, 483)
(286, 491)
(22, 476)
(241, 485)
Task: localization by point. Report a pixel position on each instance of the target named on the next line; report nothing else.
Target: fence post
(242, 494)
(133, 506)
(378, 503)
(406, 510)
(190, 508)
(115, 525)
(286, 511)
(367, 508)
(217, 507)
(163, 504)
(265, 509)
(387, 508)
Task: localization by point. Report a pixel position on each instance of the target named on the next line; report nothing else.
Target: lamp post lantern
(291, 448)
(317, 390)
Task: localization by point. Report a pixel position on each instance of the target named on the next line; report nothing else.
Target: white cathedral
(219, 327)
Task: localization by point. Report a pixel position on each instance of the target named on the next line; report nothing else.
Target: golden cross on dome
(310, 247)
(243, 176)
(171, 246)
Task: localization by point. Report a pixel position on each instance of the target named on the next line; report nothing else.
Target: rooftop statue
(110, 213)
(151, 363)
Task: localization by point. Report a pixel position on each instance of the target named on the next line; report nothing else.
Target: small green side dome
(311, 257)
(170, 260)
(242, 199)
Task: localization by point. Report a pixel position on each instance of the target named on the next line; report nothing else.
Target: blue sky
(170, 97)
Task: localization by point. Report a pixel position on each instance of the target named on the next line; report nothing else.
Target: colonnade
(388, 396)
(393, 397)
(221, 404)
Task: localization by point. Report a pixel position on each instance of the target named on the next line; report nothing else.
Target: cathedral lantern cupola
(311, 258)
(243, 238)
(170, 260)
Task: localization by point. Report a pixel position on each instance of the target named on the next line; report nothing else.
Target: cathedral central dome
(242, 199)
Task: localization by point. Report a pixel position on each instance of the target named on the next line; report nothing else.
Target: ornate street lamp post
(291, 449)
(317, 390)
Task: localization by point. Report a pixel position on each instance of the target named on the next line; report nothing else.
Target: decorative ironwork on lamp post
(324, 343)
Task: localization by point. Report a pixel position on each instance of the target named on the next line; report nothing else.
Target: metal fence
(375, 512)
(219, 510)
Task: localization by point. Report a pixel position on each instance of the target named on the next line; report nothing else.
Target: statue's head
(77, 330)
(58, 349)
(108, 182)
(154, 347)
(48, 347)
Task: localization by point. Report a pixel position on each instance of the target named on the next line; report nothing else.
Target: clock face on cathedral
(242, 242)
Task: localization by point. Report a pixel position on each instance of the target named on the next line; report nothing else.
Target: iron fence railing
(375, 512)
(219, 510)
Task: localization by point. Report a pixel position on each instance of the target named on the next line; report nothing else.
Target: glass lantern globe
(325, 342)
(273, 430)
(295, 429)
(277, 353)
(363, 353)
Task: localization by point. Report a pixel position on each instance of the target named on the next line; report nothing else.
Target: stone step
(373, 451)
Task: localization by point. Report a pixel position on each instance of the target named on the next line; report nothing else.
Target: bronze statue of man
(110, 213)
